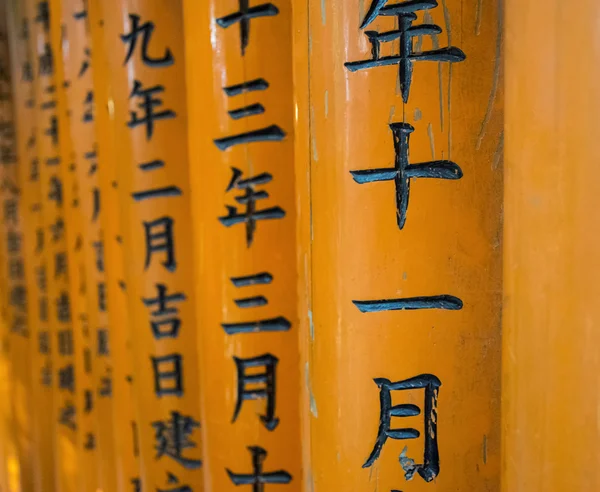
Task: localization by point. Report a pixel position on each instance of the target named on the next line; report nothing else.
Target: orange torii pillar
(144, 46)
(241, 113)
(551, 390)
(125, 425)
(71, 18)
(53, 157)
(400, 294)
(87, 479)
(14, 291)
(56, 349)
(25, 62)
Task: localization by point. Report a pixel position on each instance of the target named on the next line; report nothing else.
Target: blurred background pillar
(240, 91)
(72, 22)
(551, 312)
(121, 347)
(16, 339)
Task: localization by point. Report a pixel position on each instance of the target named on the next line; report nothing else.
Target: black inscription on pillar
(410, 303)
(173, 437)
(251, 215)
(271, 133)
(259, 479)
(67, 416)
(159, 239)
(255, 326)
(406, 56)
(173, 480)
(88, 112)
(257, 385)
(46, 61)
(85, 63)
(65, 342)
(161, 192)
(148, 104)
(144, 30)
(66, 378)
(403, 172)
(430, 467)
(165, 321)
(42, 17)
(249, 86)
(243, 17)
(103, 346)
(168, 375)
(63, 308)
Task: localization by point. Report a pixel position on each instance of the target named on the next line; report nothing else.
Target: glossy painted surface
(354, 250)
(217, 58)
(126, 444)
(551, 311)
(79, 91)
(160, 414)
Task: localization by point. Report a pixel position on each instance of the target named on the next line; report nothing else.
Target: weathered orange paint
(551, 312)
(133, 147)
(352, 248)
(14, 289)
(79, 91)
(126, 445)
(214, 61)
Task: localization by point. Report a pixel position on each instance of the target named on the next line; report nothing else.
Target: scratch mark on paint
(449, 94)
(499, 152)
(313, 138)
(447, 22)
(323, 13)
(326, 103)
(484, 449)
(427, 19)
(361, 9)
(419, 44)
(418, 114)
(313, 403)
(478, 13)
(496, 78)
(392, 113)
(431, 140)
(311, 325)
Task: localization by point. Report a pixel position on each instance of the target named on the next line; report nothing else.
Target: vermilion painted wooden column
(53, 146)
(144, 43)
(400, 292)
(125, 425)
(81, 104)
(56, 364)
(551, 311)
(20, 17)
(240, 93)
(87, 458)
(14, 290)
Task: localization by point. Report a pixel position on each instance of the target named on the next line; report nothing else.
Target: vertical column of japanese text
(242, 171)
(400, 239)
(147, 76)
